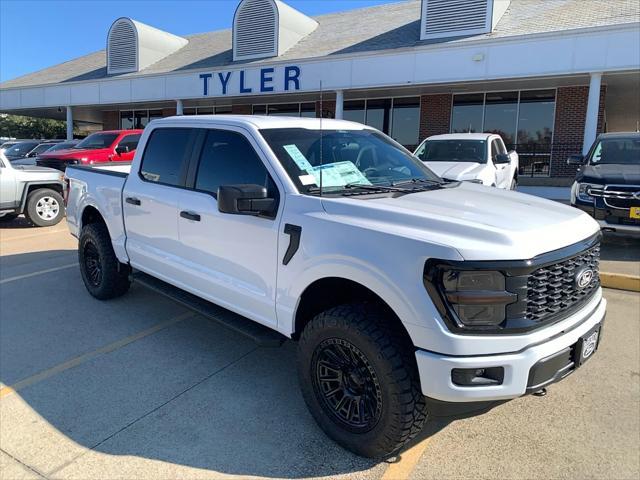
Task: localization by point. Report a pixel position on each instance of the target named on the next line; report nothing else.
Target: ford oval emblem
(583, 278)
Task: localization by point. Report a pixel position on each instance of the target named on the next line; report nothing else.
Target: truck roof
(262, 122)
(462, 136)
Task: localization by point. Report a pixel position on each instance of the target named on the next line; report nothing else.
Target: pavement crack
(40, 474)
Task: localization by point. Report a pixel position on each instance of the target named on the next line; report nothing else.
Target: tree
(19, 126)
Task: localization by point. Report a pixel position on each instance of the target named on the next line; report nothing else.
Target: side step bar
(261, 335)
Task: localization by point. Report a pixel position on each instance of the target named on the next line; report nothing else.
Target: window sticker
(339, 174)
(298, 157)
(307, 180)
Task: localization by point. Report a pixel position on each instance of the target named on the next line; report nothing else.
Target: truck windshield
(616, 151)
(97, 140)
(453, 151)
(342, 159)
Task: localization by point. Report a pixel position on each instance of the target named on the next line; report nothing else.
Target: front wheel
(45, 207)
(360, 381)
(103, 275)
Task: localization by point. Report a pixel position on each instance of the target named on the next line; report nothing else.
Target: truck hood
(481, 223)
(615, 173)
(75, 153)
(456, 170)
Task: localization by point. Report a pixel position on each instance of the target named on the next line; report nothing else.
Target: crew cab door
(125, 150)
(8, 186)
(150, 202)
(503, 179)
(229, 259)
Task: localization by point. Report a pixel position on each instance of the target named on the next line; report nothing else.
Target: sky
(35, 34)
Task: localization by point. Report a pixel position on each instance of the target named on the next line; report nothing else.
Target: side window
(130, 141)
(166, 155)
(495, 149)
(227, 158)
(503, 149)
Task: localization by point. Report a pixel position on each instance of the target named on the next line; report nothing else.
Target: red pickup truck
(99, 147)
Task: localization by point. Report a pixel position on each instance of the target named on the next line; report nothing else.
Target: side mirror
(245, 200)
(502, 158)
(575, 160)
(120, 149)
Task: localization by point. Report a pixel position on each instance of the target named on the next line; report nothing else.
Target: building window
(397, 117)
(286, 110)
(521, 118)
(206, 110)
(500, 115)
(137, 119)
(405, 121)
(536, 115)
(468, 113)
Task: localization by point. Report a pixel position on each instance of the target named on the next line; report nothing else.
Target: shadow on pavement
(194, 393)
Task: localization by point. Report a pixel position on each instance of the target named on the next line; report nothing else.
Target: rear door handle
(190, 216)
(132, 201)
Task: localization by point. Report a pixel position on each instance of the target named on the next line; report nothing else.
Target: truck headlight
(584, 191)
(473, 298)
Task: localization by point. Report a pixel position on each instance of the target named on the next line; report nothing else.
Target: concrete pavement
(141, 388)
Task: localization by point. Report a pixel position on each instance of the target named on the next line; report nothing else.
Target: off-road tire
(36, 212)
(391, 355)
(103, 275)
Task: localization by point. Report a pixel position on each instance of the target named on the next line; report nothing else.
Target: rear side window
(130, 141)
(228, 158)
(166, 155)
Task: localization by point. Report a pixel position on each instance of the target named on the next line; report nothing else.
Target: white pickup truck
(404, 292)
(476, 157)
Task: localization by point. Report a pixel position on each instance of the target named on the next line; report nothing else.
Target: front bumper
(435, 369)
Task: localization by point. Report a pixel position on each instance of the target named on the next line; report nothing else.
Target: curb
(620, 281)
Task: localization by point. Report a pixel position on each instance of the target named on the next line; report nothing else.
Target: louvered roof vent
(453, 18)
(133, 46)
(267, 28)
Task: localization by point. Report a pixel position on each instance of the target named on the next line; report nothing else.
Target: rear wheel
(45, 207)
(359, 379)
(103, 275)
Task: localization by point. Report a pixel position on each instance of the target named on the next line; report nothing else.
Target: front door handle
(132, 201)
(190, 216)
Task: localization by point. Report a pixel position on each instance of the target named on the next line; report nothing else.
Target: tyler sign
(259, 80)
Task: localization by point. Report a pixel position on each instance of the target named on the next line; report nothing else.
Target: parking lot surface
(140, 387)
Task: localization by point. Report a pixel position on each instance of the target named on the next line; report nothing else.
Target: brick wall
(568, 131)
(435, 114)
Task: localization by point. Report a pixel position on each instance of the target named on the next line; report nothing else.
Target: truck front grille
(618, 196)
(554, 289)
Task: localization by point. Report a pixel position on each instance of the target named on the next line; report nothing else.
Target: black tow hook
(540, 393)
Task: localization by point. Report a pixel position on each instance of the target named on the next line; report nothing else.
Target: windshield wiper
(376, 188)
(418, 180)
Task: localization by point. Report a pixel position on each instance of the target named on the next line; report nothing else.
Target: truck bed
(98, 185)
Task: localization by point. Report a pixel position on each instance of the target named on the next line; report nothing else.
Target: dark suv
(607, 184)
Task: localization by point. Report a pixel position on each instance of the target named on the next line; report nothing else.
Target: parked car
(99, 147)
(11, 143)
(407, 294)
(51, 147)
(35, 191)
(21, 149)
(476, 157)
(607, 184)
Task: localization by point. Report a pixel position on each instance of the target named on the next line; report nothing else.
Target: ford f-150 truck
(99, 147)
(405, 293)
(472, 157)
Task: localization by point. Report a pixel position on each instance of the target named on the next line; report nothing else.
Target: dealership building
(548, 75)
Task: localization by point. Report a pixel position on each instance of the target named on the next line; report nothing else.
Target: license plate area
(587, 345)
(634, 212)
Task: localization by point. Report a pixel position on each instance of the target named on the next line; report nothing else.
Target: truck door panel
(230, 259)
